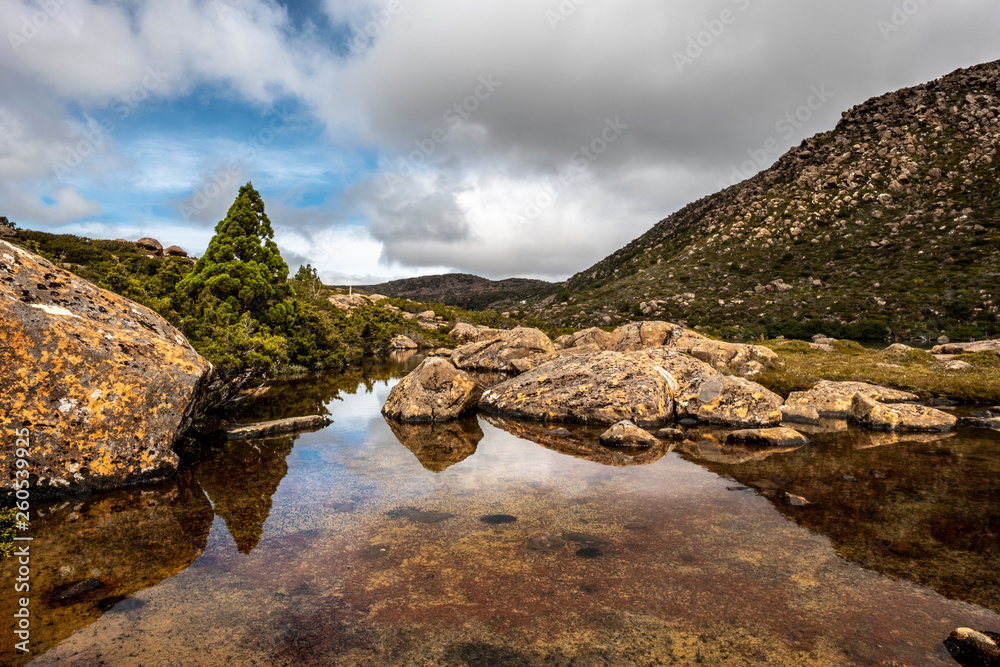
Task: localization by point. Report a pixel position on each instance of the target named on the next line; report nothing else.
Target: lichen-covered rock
(744, 359)
(768, 437)
(966, 348)
(498, 353)
(641, 336)
(833, 400)
(435, 391)
(800, 413)
(175, 251)
(105, 386)
(729, 401)
(348, 302)
(627, 434)
(972, 648)
(403, 343)
(871, 414)
(464, 332)
(595, 388)
(592, 336)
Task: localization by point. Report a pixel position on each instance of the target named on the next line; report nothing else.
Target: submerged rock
(595, 388)
(102, 386)
(974, 649)
(435, 391)
(832, 400)
(871, 414)
(498, 353)
(544, 542)
(627, 434)
(769, 437)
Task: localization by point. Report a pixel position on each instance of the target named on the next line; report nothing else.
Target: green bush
(984, 359)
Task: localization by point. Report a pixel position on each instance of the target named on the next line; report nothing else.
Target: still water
(493, 543)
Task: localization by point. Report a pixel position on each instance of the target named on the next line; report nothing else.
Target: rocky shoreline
(645, 376)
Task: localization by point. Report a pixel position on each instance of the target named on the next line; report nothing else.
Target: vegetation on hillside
(888, 225)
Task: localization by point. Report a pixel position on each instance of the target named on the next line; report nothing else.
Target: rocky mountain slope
(465, 291)
(887, 225)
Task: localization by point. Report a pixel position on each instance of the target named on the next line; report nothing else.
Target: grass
(915, 371)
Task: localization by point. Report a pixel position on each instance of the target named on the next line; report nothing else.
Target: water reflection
(366, 544)
(439, 446)
(240, 478)
(921, 507)
(91, 556)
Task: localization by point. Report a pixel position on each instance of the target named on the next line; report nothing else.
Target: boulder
(730, 401)
(427, 315)
(743, 359)
(498, 353)
(348, 302)
(800, 413)
(871, 414)
(641, 336)
(898, 347)
(594, 388)
(175, 251)
(966, 348)
(627, 434)
(592, 336)
(435, 391)
(974, 649)
(833, 400)
(464, 332)
(768, 437)
(403, 343)
(103, 386)
(151, 245)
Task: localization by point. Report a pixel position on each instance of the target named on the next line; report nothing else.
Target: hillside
(887, 225)
(466, 291)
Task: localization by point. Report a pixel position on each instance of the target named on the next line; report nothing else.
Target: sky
(397, 138)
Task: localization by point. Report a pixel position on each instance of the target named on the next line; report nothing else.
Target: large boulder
(743, 359)
(463, 333)
(832, 400)
(104, 386)
(150, 245)
(871, 414)
(965, 348)
(348, 302)
(641, 336)
(595, 388)
(435, 391)
(497, 354)
(730, 401)
(973, 648)
(592, 336)
(403, 343)
(175, 251)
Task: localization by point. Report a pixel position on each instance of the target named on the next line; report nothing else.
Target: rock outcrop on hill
(103, 385)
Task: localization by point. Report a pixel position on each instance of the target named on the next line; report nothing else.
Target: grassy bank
(915, 371)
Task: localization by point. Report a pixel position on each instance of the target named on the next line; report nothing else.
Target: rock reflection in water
(921, 507)
(240, 478)
(89, 555)
(710, 445)
(581, 442)
(439, 446)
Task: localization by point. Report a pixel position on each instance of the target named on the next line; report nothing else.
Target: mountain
(466, 291)
(887, 225)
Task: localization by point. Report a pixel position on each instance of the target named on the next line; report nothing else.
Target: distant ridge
(465, 290)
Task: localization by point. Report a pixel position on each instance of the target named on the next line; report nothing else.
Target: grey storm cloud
(489, 122)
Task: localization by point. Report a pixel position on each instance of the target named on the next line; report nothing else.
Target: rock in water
(595, 388)
(434, 392)
(769, 437)
(104, 386)
(871, 414)
(627, 434)
(498, 354)
(974, 649)
(730, 401)
(403, 343)
(832, 400)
